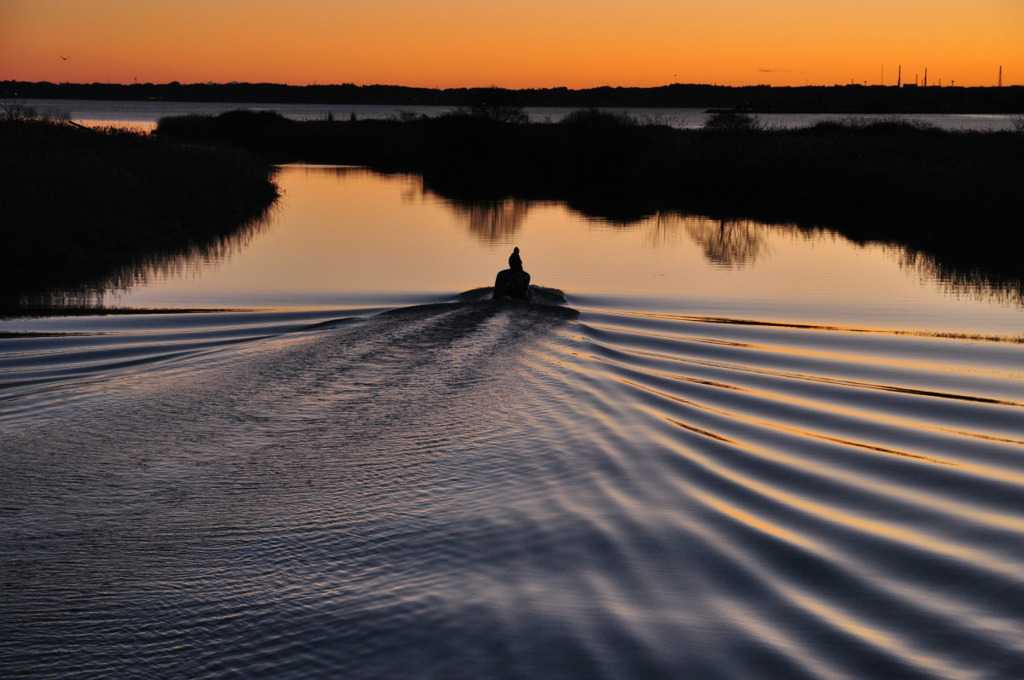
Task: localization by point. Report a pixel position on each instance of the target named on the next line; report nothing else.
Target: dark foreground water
(471, 489)
(767, 455)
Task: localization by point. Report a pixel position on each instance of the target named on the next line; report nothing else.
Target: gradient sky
(513, 43)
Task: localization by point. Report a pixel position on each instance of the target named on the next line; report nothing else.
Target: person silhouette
(513, 282)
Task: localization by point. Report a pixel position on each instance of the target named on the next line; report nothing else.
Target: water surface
(736, 451)
(145, 114)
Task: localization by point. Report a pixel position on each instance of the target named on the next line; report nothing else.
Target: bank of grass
(80, 203)
(949, 193)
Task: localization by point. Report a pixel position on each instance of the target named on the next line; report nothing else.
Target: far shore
(891, 97)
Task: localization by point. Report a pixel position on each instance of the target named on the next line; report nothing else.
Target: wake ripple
(807, 502)
(477, 490)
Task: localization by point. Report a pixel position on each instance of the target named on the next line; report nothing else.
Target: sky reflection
(340, 231)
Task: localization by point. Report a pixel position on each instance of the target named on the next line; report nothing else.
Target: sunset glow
(515, 44)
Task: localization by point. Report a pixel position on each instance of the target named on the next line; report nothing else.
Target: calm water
(735, 451)
(145, 114)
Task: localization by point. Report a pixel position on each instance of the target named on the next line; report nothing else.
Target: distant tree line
(760, 98)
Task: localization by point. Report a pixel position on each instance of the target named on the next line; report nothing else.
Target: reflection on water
(493, 221)
(174, 265)
(959, 281)
(729, 243)
(345, 230)
(739, 451)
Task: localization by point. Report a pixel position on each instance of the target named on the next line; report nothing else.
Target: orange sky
(513, 43)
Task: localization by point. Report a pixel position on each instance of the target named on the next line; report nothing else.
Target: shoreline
(79, 194)
(852, 98)
(85, 206)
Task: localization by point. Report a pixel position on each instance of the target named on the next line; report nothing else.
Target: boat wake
(472, 488)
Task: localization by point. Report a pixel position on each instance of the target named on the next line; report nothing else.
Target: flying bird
(63, 58)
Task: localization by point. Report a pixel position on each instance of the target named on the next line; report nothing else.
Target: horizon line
(175, 83)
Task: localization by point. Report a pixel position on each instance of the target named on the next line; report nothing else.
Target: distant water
(145, 114)
(696, 467)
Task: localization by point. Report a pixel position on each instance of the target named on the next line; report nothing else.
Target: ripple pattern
(475, 490)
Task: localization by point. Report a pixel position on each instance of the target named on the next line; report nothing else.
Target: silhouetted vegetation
(14, 109)
(82, 204)
(732, 121)
(758, 98)
(952, 194)
(495, 104)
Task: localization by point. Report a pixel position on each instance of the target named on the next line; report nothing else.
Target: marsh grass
(81, 204)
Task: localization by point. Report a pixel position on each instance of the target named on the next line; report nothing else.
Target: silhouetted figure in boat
(513, 282)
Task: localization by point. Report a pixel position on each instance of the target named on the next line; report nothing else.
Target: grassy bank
(81, 204)
(949, 194)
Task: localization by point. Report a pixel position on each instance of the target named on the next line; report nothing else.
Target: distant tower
(1000, 76)
(899, 76)
(925, 84)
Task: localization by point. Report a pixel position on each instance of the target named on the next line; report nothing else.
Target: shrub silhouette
(732, 121)
(495, 104)
(596, 118)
